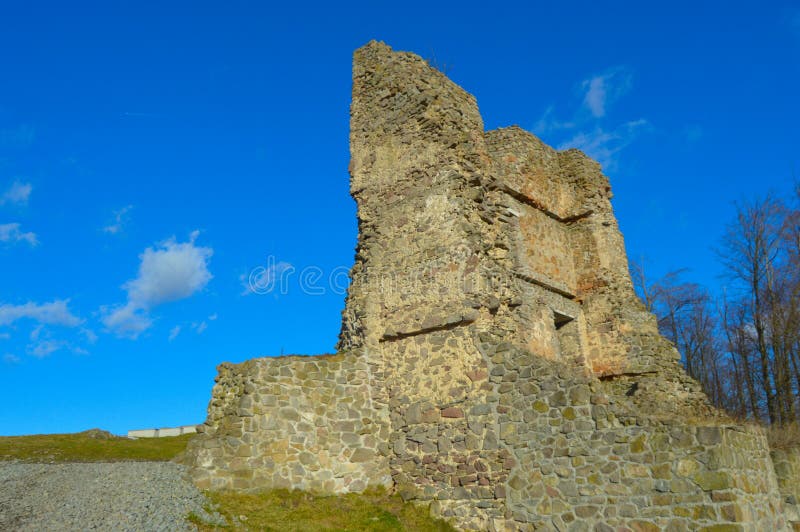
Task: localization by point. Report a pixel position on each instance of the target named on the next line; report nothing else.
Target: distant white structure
(162, 433)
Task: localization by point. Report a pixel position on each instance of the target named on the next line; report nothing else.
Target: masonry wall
(487, 361)
(290, 422)
(546, 249)
(787, 470)
(497, 364)
(584, 456)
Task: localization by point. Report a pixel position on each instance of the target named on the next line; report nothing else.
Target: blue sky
(154, 155)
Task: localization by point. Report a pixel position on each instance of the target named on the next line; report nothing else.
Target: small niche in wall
(569, 343)
(561, 319)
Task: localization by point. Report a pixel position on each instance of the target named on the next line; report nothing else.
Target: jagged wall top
(506, 217)
(398, 99)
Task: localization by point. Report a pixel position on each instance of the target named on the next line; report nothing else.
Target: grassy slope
(278, 510)
(82, 447)
(289, 511)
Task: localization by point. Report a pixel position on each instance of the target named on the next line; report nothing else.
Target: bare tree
(745, 348)
(643, 288)
(757, 256)
(738, 347)
(686, 317)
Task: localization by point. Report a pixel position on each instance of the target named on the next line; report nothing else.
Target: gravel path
(100, 496)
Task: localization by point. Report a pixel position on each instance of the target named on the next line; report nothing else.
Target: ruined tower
(494, 361)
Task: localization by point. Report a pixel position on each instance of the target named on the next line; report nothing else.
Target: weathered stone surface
(311, 427)
(495, 362)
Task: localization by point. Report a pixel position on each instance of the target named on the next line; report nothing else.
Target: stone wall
(584, 456)
(787, 469)
(498, 365)
(290, 422)
(536, 442)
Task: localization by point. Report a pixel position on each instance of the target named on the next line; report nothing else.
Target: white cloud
(198, 327)
(603, 89)
(244, 280)
(54, 313)
(588, 129)
(45, 348)
(121, 218)
(604, 145)
(548, 122)
(18, 193)
(126, 321)
(11, 359)
(167, 272)
(12, 233)
(36, 333)
(595, 98)
(43, 344)
(90, 335)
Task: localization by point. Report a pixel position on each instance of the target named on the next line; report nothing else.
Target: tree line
(743, 342)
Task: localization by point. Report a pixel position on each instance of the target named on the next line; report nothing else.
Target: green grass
(90, 446)
(289, 511)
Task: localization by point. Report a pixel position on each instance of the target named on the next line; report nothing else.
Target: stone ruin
(494, 362)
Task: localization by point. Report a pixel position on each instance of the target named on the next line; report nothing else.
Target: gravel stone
(98, 496)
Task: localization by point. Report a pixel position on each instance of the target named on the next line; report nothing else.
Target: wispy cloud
(36, 333)
(89, 335)
(54, 313)
(43, 348)
(18, 193)
(603, 89)
(167, 272)
(8, 358)
(198, 327)
(603, 145)
(588, 129)
(548, 122)
(12, 234)
(121, 218)
(43, 344)
(263, 279)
